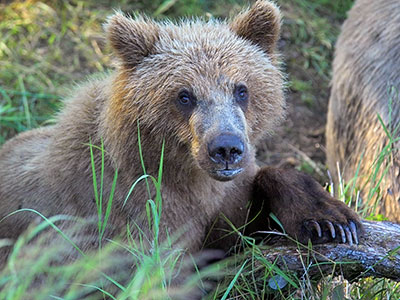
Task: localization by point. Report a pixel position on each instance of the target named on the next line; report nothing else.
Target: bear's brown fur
(365, 70)
(202, 87)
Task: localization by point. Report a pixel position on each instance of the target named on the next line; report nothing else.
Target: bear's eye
(186, 102)
(241, 93)
(184, 98)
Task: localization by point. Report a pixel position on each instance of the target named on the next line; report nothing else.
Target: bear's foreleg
(304, 208)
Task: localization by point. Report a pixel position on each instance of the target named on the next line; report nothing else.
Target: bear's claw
(347, 233)
(353, 229)
(315, 225)
(331, 228)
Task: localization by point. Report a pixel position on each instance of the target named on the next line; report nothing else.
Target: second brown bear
(365, 86)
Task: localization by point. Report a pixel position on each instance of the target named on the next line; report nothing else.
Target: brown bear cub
(210, 91)
(365, 83)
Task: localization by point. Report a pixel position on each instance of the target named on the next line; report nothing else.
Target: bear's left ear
(260, 24)
(131, 39)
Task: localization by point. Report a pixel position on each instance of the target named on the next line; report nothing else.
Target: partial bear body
(366, 78)
(210, 91)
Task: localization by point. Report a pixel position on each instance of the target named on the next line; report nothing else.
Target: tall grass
(371, 184)
(34, 260)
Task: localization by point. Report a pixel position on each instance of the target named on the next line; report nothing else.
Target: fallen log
(377, 255)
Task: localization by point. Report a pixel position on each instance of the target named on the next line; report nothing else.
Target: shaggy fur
(366, 67)
(49, 169)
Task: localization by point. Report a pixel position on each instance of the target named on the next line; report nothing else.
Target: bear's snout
(225, 153)
(226, 149)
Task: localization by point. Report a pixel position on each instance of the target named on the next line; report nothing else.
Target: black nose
(226, 149)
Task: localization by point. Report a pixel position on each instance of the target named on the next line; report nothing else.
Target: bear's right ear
(131, 39)
(260, 24)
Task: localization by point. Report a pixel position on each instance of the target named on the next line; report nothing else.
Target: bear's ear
(131, 39)
(260, 24)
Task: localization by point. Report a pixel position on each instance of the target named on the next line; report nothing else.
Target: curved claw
(342, 234)
(348, 235)
(331, 228)
(316, 226)
(353, 229)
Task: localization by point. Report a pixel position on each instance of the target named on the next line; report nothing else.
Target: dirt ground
(299, 141)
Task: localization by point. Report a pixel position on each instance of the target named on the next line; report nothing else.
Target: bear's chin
(225, 174)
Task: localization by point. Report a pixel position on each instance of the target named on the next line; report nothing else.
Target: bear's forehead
(199, 42)
(206, 57)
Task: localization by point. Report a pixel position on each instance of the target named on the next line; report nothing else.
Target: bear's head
(211, 88)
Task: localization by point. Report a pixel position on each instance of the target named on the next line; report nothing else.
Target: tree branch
(377, 255)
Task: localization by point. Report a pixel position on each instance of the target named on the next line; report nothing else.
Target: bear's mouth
(226, 174)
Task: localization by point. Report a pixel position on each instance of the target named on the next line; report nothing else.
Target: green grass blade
(58, 230)
(101, 177)
(109, 204)
(25, 103)
(232, 283)
(133, 187)
(142, 161)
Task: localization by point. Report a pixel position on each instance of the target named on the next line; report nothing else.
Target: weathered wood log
(377, 255)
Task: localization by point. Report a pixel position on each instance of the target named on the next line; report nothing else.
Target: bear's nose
(226, 149)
